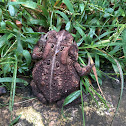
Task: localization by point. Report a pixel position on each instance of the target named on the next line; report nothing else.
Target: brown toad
(57, 74)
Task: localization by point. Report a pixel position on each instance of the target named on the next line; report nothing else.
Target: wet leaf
(15, 120)
(3, 40)
(27, 56)
(11, 10)
(124, 42)
(71, 97)
(10, 79)
(63, 15)
(67, 27)
(3, 25)
(81, 7)
(69, 5)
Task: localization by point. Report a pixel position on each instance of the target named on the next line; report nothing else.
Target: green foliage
(98, 27)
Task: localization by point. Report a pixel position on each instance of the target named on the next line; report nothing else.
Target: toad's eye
(52, 46)
(62, 47)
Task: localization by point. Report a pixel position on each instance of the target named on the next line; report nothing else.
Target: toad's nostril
(48, 62)
(62, 48)
(52, 46)
(57, 64)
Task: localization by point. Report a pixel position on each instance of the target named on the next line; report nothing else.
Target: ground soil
(34, 113)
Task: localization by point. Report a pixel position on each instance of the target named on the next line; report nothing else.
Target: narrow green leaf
(71, 97)
(103, 35)
(11, 10)
(63, 15)
(31, 5)
(67, 27)
(97, 61)
(38, 22)
(0, 14)
(116, 49)
(101, 98)
(10, 79)
(15, 120)
(19, 44)
(124, 42)
(3, 40)
(81, 7)
(3, 25)
(31, 40)
(69, 5)
(27, 56)
(13, 87)
(82, 102)
(122, 86)
(15, 3)
(11, 24)
(59, 23)
(87, 88)
(81, 32)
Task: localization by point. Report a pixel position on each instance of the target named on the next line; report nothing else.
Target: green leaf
(69, 5)
(67, 27)
(31, 39)
(81, 7)
(63, 15)
(27, 56)
(92, 32)
(0, 14)
(11, 24)
(13, 86)
(19, 44)
(3, 25)
(122, 86)
(11, 10)
(97, 61)
(124, 42)
(28, 4)
(71, 97)
(15, 120)
(38, 22)
(3, 40)
(103, 35)
(81, 32)
(10, 79)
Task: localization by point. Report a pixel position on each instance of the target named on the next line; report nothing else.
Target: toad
(57, 73)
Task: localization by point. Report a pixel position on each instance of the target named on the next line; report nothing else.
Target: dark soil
(35, 113)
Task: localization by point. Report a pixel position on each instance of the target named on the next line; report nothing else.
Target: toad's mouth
(60, 37)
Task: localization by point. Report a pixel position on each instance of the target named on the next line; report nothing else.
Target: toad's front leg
(83, 70)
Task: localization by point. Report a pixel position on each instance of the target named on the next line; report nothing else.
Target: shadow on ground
(35, 113)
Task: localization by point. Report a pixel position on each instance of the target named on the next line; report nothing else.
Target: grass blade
(124, 42)
(63, 15)
(122, 86)
(10, 79)
(15, 120)
(71, 97)
(69, 5)
(13, 87)
(82, 103)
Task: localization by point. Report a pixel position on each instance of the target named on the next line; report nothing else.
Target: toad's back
(55, 75)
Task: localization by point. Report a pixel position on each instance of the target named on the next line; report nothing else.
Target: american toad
(57, 74)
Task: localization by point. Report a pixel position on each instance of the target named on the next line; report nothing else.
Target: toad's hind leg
(37, 93)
